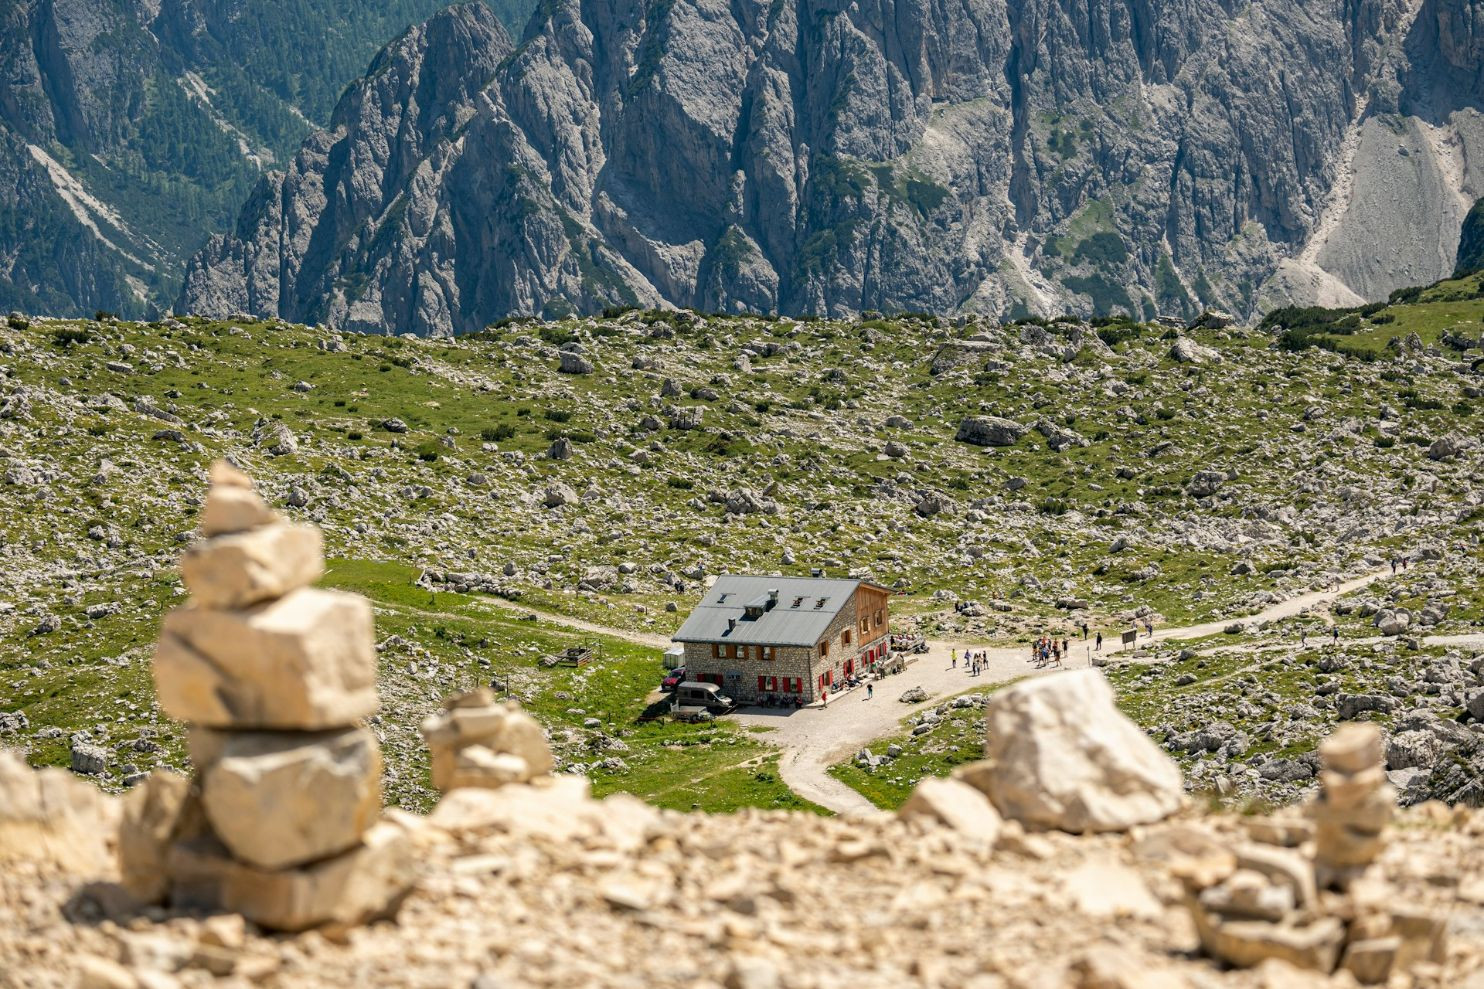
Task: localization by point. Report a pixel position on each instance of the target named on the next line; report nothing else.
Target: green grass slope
(106, 430)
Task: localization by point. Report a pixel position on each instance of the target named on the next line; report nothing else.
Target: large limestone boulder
(306, 661)
(52, 817)
(280, 799)
(244, 568)
(1061, 755)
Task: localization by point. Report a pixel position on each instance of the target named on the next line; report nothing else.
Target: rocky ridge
(130, 130)
(992, 157)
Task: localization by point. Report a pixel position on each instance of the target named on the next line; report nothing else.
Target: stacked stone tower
(282, 820)
(1354, 806)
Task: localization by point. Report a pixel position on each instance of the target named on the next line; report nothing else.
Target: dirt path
(813, 739)
(653, 641)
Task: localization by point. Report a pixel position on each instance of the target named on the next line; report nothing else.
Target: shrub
(557, 415)
(427, 452)
(68, 335)
(494, 434)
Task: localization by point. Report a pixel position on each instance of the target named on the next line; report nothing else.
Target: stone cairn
(476, 741)
(1354, 806)
(282, 820)
(1317, 910)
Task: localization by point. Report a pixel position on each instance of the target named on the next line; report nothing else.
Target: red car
(673, 679)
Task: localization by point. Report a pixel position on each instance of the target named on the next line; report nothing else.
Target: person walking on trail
(824, 698)
(1066, 647)
(1393, 566)
(953, 659)
(870, 691)
(1303, 638)
(1084, 631)
(1334, 632)
(1099, 646)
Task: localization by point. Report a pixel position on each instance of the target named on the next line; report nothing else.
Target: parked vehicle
(708, 696)
(673, 679)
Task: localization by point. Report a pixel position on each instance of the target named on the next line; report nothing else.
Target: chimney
(772, 597)
(817, 572)
(731, 624)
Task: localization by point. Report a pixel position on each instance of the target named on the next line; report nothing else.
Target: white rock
(956, 804)
(242, 569)
(279, 799)
(1063, 756)
(306, 661)
(364, 883)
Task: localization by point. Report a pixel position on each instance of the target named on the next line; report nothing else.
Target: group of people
(975, 660)
(1050, 651)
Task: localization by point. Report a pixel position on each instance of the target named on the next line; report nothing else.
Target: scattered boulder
(574, 363)
(1061, 755)
(990, 431)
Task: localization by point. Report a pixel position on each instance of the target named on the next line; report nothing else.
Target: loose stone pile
(476, 742)
(281, 822)
(1317, 911)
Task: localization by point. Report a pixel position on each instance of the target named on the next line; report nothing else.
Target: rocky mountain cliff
(129, 129)
(813, 157)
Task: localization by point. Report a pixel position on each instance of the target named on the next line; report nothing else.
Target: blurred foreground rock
(280, 823)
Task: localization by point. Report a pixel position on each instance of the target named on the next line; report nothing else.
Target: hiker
(1100, 641)
(1393, 566)
(1084, 631)
(870, 691)
(1303, 638)
(953, 657)
(1335, 634)
(824, 698)
(1066, 647)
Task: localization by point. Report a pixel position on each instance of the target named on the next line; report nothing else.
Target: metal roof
(785, 624)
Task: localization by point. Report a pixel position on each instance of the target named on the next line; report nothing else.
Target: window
(845, 637)
(741, 652)
(824, 648)
(715, 651)
(878, 616)
(762, 684)
(731, 651)
(865, 627)
(793, 685)
(767, 652)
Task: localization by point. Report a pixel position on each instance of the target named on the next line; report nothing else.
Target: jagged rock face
(131, 128)
(811, 157)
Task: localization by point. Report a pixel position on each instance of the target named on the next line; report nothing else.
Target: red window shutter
(762, 684)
